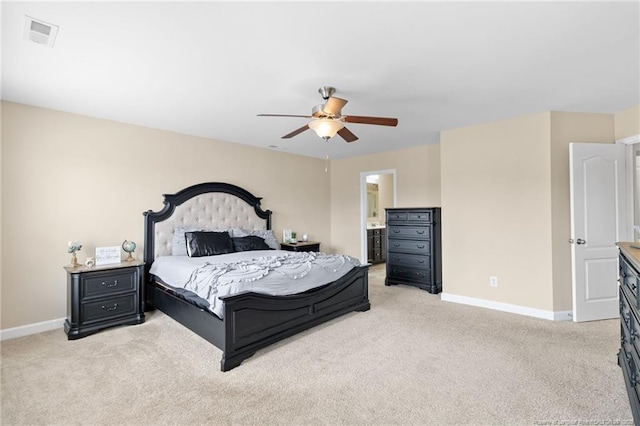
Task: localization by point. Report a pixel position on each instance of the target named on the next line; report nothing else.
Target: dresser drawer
(630, 336)
(625, 309)
(413, 216)
(412, 260)
(109, 308)
(629, 279)
(397, 216)
(99, 284)
(415, 232)
(409, 246)
(634, 369)
(409, 274)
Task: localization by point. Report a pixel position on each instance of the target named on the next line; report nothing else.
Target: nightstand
(103, 296)
(301, 246)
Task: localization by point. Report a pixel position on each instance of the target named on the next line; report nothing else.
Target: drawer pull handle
(396, 245)
(114, 284)
(397, 231)
(420, 260)
(109, 309)
(421, 246)
(420, 232)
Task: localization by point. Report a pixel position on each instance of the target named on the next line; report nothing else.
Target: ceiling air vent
(39, 31)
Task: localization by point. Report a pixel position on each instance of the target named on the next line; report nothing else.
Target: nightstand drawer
(99, 284)
(109, 308)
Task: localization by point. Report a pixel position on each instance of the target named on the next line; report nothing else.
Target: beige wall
(386, 195)
(567, 127)
(506, 211)
(69, 177)
(627, 122)
(496, 211)
(418, 184)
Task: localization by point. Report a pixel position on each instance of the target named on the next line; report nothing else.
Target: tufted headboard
(214, 205)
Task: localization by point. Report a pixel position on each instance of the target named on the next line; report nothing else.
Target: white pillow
(267, 235)
(179, 243)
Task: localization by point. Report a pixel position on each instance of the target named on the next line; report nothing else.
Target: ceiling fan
(327, 119)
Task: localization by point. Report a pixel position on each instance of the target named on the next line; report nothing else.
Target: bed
(251, 320)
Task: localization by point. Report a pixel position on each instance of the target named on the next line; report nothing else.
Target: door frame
(631, 179)
(363, 206)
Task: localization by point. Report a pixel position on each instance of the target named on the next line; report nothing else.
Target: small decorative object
(305, 237)
(294, 238)
(286, 235)
(74, 246)
(129, 247)
(108, 255)
(90, 262)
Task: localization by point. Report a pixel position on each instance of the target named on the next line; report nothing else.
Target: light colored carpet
(411, 359)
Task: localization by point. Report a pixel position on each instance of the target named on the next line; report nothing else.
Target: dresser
(103, 296)
(414, 248)
(629, 354)
(376, 245)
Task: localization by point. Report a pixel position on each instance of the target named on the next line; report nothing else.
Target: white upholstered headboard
(212, 205)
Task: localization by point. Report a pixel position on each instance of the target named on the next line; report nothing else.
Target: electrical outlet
(493, 281)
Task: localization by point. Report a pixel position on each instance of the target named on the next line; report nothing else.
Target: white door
(598, 221)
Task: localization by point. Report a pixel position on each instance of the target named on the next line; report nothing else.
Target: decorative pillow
(204, 243)
(179, 244)
(249, 243)
(266, 235)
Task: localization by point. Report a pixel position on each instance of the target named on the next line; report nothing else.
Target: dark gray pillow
(250, 242)
(204, 243)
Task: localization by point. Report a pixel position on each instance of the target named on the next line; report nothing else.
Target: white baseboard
(507, 307)
(26, 330)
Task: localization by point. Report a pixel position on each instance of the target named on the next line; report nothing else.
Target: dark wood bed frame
(251, 321)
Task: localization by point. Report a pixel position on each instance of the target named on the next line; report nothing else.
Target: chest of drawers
(414, 248)
(101, 297)
(629, 354)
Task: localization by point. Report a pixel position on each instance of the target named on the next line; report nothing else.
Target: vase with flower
(73, 247)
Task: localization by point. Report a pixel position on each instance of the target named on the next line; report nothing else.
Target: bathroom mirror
(372, 200)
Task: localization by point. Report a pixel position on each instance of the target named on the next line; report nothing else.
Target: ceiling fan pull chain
(326, 164)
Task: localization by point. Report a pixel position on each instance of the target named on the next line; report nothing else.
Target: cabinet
(103, 296)
(413, 248)
(301, 246)
(376, 245)
(629, 354)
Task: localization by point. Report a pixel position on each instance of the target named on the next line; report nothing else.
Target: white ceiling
(207, 68)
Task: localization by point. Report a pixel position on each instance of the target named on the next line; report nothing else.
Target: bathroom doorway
(377, 192)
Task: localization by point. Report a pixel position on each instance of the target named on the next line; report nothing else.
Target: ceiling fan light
(326, 128)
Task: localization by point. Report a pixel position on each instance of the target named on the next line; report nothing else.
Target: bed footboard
(253, 321)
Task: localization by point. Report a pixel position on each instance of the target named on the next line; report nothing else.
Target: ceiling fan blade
(334, 106)
(347, 135)
(380, 121)
(296, 132)
(283, 115)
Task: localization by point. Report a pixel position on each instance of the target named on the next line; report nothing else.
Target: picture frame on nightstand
(287, 235)
(108, 255)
